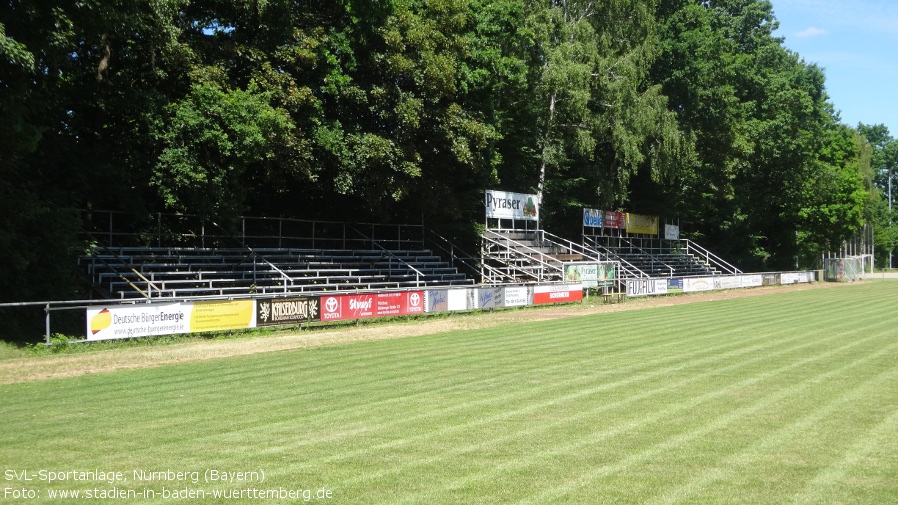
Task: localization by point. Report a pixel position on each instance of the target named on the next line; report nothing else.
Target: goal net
(847, 269)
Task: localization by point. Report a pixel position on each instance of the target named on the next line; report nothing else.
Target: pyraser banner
(505, 205)
(590, 275)
(637, 223)
(293, 310)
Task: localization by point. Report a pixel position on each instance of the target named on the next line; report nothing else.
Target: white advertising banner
(155, 319)
(693, 284)
(728, 282)
(436, 300)
(490, 298)
(752, 281)
(518, 296)
(646, 287)
(458, 299)
(505, 205)
(671, 232)
(789, 278)
(142, 320)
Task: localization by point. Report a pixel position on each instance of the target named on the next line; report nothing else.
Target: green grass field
(783, 398)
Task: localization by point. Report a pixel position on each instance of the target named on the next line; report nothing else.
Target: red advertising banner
(362, 306)
(617, 220)
(557, 294)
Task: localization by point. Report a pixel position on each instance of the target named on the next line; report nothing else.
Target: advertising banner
(590, 275)
(458, 299)
(436, 300)
(752, 281)
(442, 300)
(646, 287)
(693, 284)
(615, 220)
(592, 218)
(154, 319)
(585, 273)
(606, 274)
(557, 293)
(674, 286)
(637, 223)
(505, 205)
(363, 306)
(141, 320)
(223, 315)
(671, 232)
(294, 310)
(728, 282)
(518, 296)
(788, 277)
(771, 279)
(490, 298)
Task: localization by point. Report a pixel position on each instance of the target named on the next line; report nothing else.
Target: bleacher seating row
(667, 264)
(135, 272)
(524, 256)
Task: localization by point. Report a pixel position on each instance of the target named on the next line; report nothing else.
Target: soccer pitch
(788, 397)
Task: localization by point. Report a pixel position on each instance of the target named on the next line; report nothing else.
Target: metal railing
(709, 257)
(457, 256)
(391, 256)
(630, 269)
(508, 249)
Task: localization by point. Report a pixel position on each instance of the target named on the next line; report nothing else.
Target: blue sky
(856, 43)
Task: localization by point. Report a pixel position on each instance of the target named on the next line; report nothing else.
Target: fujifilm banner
(504, 205)
(646, 287)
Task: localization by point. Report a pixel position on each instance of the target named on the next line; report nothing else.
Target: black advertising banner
(295, 310)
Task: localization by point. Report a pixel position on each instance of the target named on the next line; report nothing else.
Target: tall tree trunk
(547, 139)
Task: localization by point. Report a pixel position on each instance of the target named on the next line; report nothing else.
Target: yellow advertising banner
(225, 315)
(637, 223)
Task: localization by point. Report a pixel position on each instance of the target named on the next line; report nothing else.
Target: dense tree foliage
(403, 110)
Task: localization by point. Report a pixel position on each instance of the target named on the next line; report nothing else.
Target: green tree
(598, 117)
(884, 161)
(218, 147)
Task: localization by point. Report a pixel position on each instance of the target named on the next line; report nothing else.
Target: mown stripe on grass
(559, 492)
(535, 458)
(828, 485)
(558, 392)
(752, 456)
(336, 416)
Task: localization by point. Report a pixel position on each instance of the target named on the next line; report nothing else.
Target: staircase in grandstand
(659, 257)
(523, 256)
